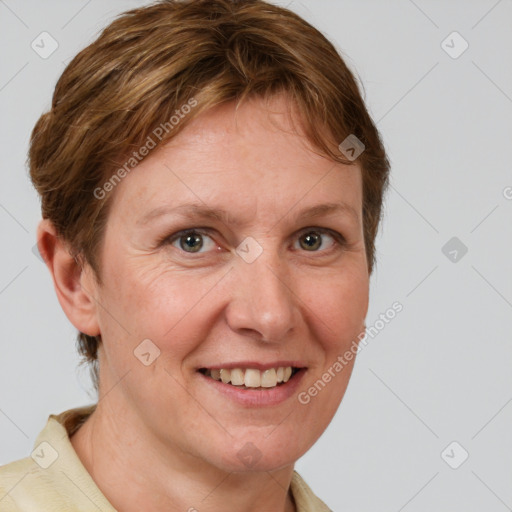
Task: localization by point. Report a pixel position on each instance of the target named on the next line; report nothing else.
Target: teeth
(225, 375)
(237, 377)
(269, 378)
(252, 378)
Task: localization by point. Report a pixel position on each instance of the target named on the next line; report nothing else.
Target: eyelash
(338, 238)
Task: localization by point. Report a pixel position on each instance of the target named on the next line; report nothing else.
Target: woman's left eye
(313, 240)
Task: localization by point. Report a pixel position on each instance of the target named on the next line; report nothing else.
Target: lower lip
(257, 397)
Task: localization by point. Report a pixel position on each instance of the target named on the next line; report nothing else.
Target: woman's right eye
(192, 241)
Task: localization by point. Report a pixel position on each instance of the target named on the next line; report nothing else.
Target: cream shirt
(53, 479)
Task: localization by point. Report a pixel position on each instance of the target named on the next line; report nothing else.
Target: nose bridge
(263, 299)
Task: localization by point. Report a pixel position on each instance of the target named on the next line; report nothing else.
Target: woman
(211, 188)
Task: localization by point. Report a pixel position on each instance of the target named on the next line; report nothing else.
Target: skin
(161, 438)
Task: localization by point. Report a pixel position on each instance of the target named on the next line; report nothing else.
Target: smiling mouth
(252, 378)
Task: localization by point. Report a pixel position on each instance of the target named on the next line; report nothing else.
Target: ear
(74, 285)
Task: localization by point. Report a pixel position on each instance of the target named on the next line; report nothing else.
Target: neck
(136, 472)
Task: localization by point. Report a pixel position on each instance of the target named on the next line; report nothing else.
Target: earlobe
(77, 302)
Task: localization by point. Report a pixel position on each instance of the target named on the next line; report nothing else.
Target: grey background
(441, 370)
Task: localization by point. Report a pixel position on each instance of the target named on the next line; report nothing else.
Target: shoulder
(305, 499)
(12, 476)
(52, 478)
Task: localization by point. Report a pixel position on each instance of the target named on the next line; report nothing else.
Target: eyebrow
(201, 211)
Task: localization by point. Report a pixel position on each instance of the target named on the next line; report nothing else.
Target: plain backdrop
(435, 384)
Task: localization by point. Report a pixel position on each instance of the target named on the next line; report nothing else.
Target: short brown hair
(151, 61)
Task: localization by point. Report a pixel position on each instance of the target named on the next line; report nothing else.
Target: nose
(262, 304)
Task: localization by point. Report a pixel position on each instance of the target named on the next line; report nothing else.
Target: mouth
(252, 378)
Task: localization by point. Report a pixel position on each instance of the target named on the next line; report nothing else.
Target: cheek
(337, 305)
(166, 305)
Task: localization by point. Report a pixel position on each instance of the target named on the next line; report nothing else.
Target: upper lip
(254, 364)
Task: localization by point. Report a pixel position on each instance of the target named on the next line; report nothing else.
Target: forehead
(252, 159)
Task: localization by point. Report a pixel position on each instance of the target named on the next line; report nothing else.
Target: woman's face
(272, 280)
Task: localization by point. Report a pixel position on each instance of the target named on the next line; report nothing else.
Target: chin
(250, 460)
(261, 452)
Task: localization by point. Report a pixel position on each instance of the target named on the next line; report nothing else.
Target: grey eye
(313, 240)
(192, 241)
